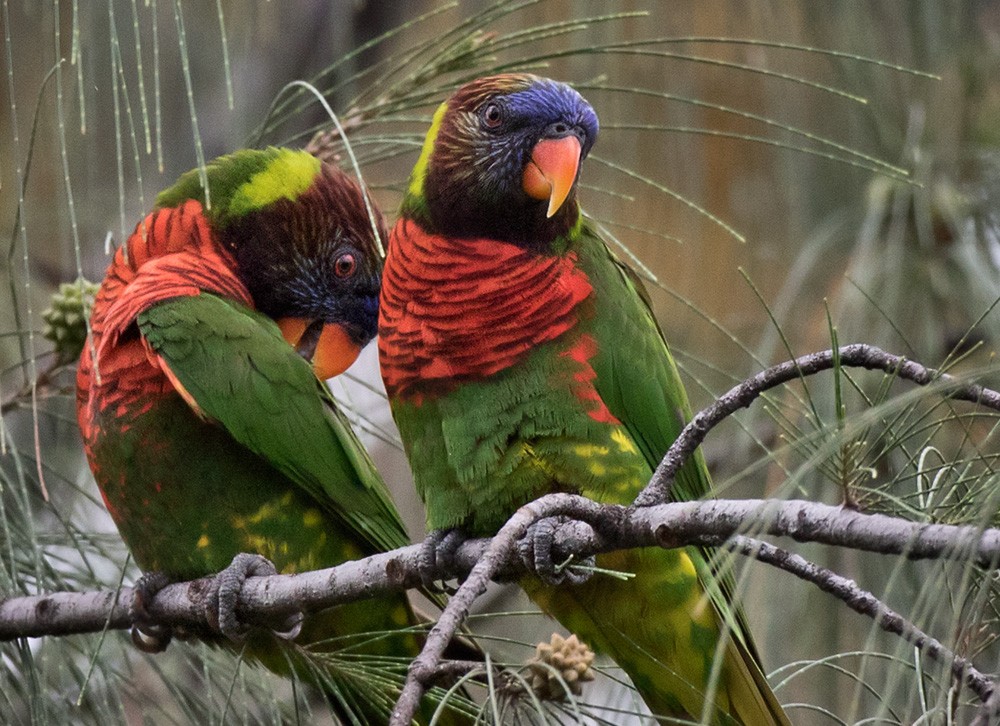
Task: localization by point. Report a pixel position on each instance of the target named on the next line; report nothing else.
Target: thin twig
(856, 356)
(862, 601)
(498, 554)
(658, 488)
(595, 528)
(42, 381)
(704, 523)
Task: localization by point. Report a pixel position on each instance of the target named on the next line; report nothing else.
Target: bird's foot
(540, 553)
(147, 636)
(224, 594)
(437, 553)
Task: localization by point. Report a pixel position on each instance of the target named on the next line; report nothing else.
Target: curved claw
(150, 638)
(437, 552)
(538, 549)
(224, 594)
(146, 635)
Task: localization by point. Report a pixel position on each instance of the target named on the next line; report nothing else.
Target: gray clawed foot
(224, 594)
(147, 636)
(437, 553)
(540, 552)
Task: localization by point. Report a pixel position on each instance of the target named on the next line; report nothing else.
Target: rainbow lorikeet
(522, 358)
(207, 429)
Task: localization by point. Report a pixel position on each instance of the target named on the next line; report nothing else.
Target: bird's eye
(345, 265)
(492, 115)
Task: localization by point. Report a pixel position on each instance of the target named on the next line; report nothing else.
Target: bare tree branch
(593, 528)
(988, 711)
(857, 356)
(264, 599)
(862, 601)
(658, 488)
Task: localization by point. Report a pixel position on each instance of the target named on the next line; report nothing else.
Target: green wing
(239, 372)
(640, 384)
(636, 374)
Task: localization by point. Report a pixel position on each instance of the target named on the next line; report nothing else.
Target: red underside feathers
(582, 351)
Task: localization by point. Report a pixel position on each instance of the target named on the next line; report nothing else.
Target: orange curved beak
(330, 349)
(552, 170)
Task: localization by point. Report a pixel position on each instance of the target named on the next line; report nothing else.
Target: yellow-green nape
(416, 186)
(287, 174)
(244, 181)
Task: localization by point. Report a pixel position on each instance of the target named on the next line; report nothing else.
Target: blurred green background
(699, 137)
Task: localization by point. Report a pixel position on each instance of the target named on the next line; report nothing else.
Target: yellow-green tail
(662, 630)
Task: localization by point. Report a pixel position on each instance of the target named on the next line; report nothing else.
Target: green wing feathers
(639, 382)
(238, 370)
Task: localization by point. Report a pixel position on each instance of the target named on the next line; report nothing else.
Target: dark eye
(492, 116)
(345, 265)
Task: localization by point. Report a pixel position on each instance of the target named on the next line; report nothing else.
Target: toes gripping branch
(437, 554)
(224, 593)
(148, 636)
(540, 551)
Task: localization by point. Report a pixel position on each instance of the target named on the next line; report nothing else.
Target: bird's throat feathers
(455, 310)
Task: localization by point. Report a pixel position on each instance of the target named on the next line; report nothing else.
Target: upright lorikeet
(207, 429)
(521, 358)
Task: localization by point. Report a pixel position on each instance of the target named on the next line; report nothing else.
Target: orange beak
(327, 346)
(552, 170)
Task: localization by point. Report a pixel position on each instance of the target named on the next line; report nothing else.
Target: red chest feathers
(463, 309)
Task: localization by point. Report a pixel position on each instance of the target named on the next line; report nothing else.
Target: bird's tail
(664, 632)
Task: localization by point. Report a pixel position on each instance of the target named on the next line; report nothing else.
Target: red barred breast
(462, 309)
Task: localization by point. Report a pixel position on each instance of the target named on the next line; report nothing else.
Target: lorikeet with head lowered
(208, 430)
(522, 358)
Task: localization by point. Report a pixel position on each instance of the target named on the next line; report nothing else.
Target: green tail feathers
(663, 632)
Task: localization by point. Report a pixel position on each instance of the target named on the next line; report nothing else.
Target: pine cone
(566, 658)
(66, 318)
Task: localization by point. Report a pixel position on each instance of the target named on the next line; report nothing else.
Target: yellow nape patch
(287, 175)
(416, 187)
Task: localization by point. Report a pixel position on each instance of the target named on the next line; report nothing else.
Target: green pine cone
(66, 318)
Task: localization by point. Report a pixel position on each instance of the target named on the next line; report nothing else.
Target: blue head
(502, 159)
